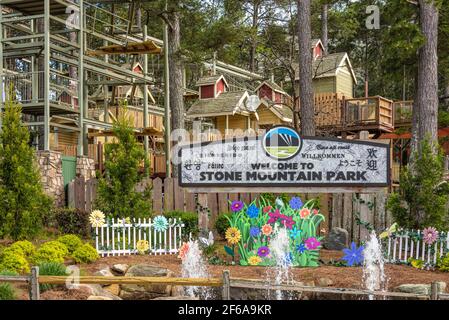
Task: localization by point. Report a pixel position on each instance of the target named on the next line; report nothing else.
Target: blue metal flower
(160, 223)
(353, 256)
(252, 211)
(296, 203)
(301, 248)
(254, 232)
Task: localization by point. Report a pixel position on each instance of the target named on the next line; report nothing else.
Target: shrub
(85, 254)
(51, 269)
(73, 221)
(71, 241)
(52, 251)
(421, 200)
(27, 247)
(222, 224)
(14, 261)
(23, 200)
(443, 263)
(190, 220)
(7, 292)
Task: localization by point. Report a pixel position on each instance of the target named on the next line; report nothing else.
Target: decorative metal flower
(353, 256)
(254, 260)
(296, 203)
(430, 235)
(267, 229)
(254, 232)
(97, 219)
(312, 243)
(263, 251)
(301, 248)
(183, 250)
(160, 223)
(295, 232)
(252, 211)
(233, 235)
(236, 206)
(304, 213)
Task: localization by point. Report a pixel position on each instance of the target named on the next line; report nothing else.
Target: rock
(144, 292)
(337, 239)
(177, 298)
(414, 288)
(325, 282)
(113, 288)
(177, 291)
(104, 273)
(120, 269)
(99, 298)
(97, 290)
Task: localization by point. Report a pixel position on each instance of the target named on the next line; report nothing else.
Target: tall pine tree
(22, 199)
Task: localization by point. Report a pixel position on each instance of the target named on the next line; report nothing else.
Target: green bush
(85, 254)
(7, 292)
(52, 251)
(51, 269)
(14, 261)
(73, 221)
(443, 263)
(71, 241)
(26, 246)
(190, 220)
(222, 224)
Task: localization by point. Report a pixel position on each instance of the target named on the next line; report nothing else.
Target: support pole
(46, 79)
(2, 88)
(434, 291)
(167, 100)
(203, 213)
(226, 286)
(81, 80)
(34, 284)
(145, 102)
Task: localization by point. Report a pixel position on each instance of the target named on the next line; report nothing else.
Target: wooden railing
(403, 112)
(226, 282)
(369, 111)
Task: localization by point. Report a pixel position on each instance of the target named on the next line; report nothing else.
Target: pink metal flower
(312, 243)
(430, 235)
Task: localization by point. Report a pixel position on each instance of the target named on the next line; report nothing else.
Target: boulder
(177, 291)
(113, 288)
(324, 282)
(97, 290)
(99, 298)
(104, 273)
(177, 298)
(337, 239)
(149, 291)
(420, 288)
(120, 269)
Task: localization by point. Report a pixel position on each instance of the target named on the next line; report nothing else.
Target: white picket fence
(402, 247)
(120, 238)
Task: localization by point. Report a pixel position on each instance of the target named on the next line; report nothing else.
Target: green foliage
(222, 223)
(85, 254)
(443, 263)
(116, 191)
(14, 261)
(72, 221)
(190, 220)
(51, 269)
(421, 199)
(25, 246)
(7, 291)
(22, 199)
(71, 241)
(52, 251)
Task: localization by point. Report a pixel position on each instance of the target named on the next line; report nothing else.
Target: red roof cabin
(212, 86)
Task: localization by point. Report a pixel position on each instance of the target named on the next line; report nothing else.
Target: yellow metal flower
(96, 219)
(233, 235)
(254, 260)
(142, 246)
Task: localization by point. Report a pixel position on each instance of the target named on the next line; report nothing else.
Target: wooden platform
(33, 7)
(145, 47)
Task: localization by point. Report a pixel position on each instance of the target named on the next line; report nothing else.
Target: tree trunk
(307, 110)
(324, 27)
(175, 75)
(426, 100)
(252, 54)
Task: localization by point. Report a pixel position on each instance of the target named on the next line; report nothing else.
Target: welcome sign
(283, 158)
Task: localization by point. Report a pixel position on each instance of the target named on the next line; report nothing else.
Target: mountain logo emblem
(282, 143)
